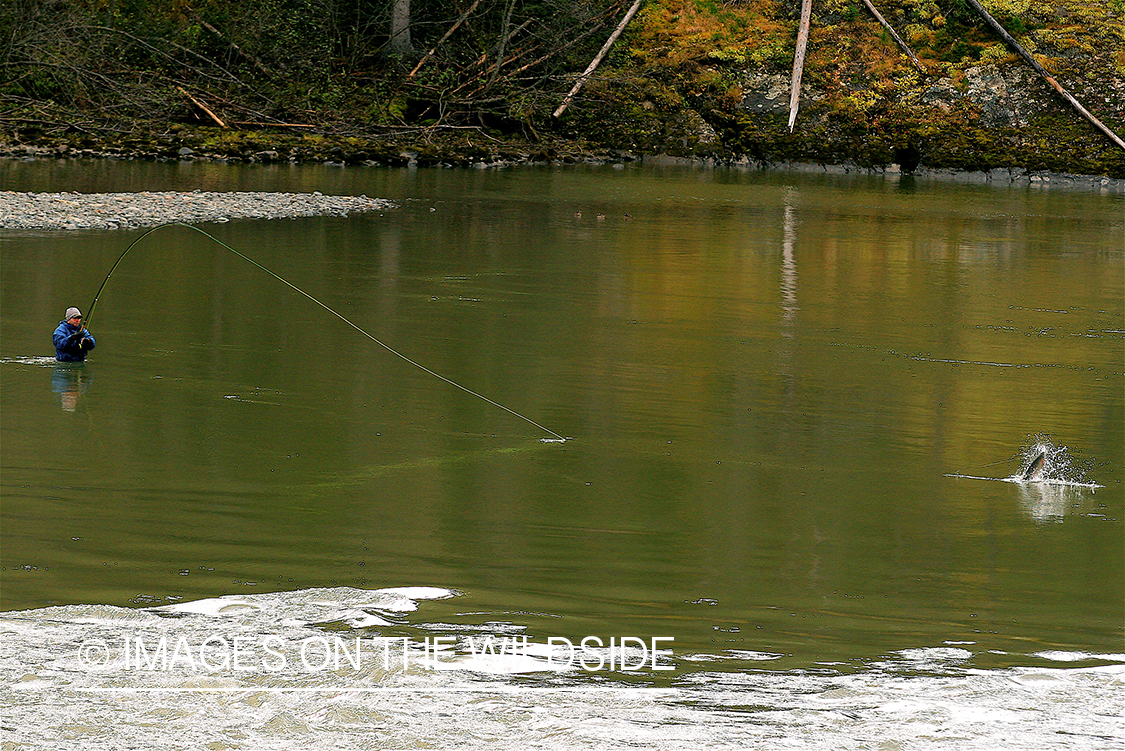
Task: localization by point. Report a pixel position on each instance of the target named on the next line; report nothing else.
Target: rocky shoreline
(184, 144)
(71, 211)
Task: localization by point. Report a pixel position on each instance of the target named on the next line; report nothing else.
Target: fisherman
(72, 340)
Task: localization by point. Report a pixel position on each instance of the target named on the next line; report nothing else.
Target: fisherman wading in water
(72, 340)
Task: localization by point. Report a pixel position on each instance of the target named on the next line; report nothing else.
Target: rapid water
(243, 525)
(348, 668)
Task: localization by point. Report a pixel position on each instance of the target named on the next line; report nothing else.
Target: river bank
(187, 143)
(698, 81)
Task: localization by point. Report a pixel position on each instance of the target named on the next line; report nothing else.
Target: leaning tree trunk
(597, 58)
(799, 61)
(1043, 72)
(894, 35)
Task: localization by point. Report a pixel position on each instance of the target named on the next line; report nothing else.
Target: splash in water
(51, 361)
(1041, 461)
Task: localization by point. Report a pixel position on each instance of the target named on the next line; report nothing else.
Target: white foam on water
(501, 664)
(1060, 656)
(735, 654)
(33, 360)
(225, 605)
(917, 698)
(363, 619)
(405, 599)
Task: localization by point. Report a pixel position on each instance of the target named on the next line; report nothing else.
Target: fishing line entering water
(557, 438)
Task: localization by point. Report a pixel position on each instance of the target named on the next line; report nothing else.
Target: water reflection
(789, 307)
(1045, 501)
(789, 265)
(70, 381)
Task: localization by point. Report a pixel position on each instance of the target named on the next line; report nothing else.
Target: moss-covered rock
(977, 106)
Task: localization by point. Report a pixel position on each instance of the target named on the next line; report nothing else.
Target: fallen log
(203, 107)
(256, 124)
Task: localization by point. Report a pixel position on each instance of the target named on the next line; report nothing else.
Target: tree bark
(400, 28)
(799, 62)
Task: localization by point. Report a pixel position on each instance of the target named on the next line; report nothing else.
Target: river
(791, 401)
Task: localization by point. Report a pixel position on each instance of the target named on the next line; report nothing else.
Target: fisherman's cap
(72, 313)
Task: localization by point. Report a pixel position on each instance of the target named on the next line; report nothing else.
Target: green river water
(767, 380)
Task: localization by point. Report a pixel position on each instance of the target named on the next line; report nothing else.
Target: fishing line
(297, 289)
(1000, 461)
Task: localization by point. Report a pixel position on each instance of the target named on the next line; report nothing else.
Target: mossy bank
(691, 78)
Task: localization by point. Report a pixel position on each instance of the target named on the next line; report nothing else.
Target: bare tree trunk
(894, 35)
(503, 39)
(400, 28)
(598, 59)
(1043, 72)
(799, 62)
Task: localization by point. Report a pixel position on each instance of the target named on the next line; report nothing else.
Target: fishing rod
(295, 288)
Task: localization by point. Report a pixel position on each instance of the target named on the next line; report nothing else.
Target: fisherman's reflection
(70, 381)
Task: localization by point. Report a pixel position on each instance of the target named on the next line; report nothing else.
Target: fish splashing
(1042, 461)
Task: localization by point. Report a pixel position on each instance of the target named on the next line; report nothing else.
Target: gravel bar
(65, 211)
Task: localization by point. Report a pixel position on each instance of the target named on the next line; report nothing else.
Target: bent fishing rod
(295, 288)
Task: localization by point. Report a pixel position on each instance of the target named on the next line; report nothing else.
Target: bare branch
(453, 28)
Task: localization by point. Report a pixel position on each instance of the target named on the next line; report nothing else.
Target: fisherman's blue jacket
(71, 348)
